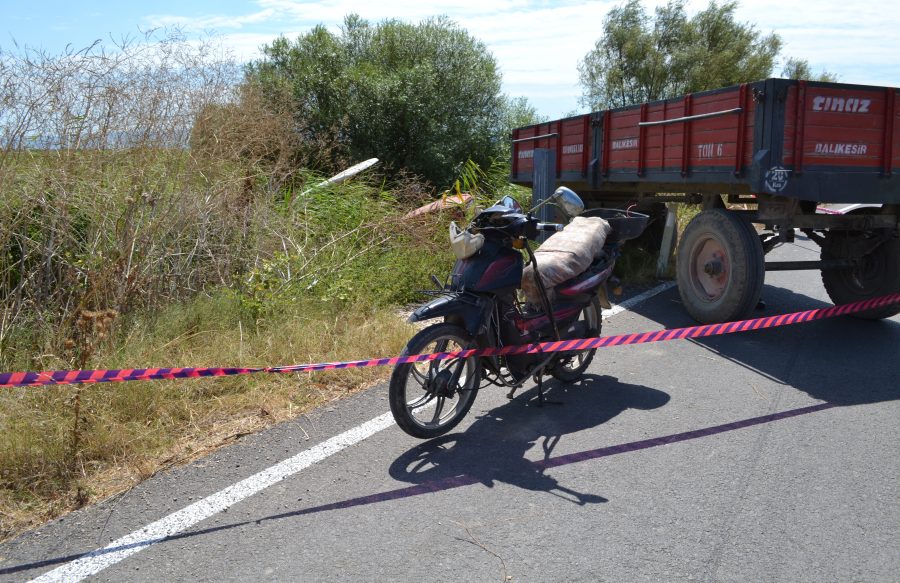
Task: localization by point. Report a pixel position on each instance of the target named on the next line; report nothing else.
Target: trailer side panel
(823, 142)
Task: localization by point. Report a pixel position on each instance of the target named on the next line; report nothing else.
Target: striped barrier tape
(72, 377)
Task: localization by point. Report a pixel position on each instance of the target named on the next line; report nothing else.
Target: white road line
(632, 302)
(181, 520)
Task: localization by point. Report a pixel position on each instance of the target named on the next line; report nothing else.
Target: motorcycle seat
(586, 282)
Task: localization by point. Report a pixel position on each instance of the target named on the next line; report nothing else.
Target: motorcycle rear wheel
(571, 367)
(430, 398)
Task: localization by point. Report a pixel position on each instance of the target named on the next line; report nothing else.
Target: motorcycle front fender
(472, 310)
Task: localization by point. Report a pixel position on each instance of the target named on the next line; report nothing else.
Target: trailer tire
(877, 275)
(721, 267)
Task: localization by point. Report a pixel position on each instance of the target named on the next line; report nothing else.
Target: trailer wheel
(877, 274)
(720, 268)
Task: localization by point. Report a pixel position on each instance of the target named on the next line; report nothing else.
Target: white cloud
(538, 44)
(334, 10)
(211, 22)
(245, 46)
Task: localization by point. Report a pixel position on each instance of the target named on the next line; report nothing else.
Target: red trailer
(767, 154)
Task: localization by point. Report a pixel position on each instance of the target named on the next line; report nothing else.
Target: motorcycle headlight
(464, 243)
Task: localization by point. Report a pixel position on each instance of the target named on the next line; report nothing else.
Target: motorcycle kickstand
(540, 398)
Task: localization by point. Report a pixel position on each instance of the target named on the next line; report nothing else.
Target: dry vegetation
(156, 213)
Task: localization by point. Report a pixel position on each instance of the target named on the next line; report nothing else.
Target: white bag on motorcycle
(565, 254)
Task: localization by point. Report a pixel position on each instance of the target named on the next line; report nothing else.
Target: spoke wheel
(430, 398)
(571, 366)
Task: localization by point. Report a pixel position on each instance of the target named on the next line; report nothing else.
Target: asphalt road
(762, 456)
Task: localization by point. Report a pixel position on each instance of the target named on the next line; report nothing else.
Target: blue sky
(537, 43)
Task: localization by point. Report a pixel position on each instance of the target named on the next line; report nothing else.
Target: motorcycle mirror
(568, 201)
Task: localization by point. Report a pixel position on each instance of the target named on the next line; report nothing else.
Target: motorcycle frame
(476, 313)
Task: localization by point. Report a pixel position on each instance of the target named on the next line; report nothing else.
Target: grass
(636, 265)
(129, 431)
(323, 294)
(315, 280)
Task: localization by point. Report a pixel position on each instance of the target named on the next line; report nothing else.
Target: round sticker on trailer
(777, 179)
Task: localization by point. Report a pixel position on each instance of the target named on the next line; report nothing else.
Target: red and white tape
(72, 377)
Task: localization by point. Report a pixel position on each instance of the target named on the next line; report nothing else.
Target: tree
(517, 112)
(800, 69)
(642, 59)
(424, 97)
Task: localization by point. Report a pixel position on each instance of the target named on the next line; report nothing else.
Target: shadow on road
(843, 361)
(493, 449)
(437, 466)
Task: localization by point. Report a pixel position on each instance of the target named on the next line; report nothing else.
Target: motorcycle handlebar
(552, 227)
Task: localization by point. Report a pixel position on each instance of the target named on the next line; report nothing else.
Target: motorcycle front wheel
(430, 398)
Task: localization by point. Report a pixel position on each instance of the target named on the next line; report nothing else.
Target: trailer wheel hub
(713, 268)
(710, 268)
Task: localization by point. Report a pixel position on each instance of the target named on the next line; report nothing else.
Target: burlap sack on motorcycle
(565, 254)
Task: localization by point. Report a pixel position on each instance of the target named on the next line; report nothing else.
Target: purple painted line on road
(677, 437)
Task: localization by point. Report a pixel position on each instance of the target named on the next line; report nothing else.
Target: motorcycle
(481, 307)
